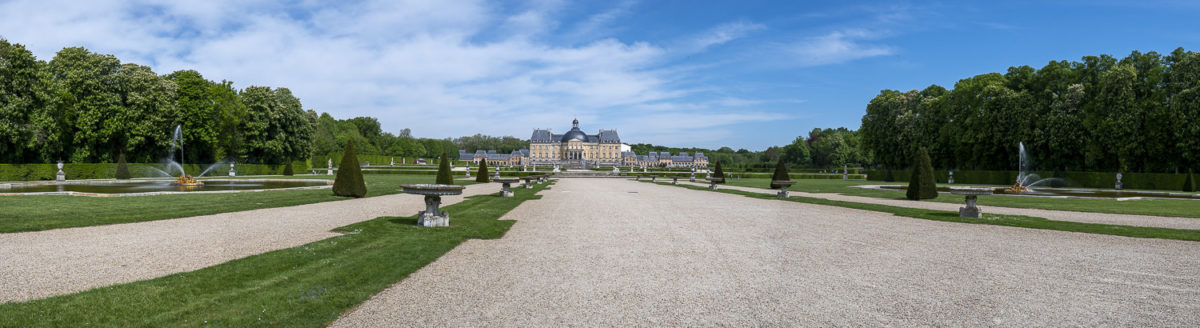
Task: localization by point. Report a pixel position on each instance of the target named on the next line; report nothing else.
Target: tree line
(86, 107)
(1140, 113)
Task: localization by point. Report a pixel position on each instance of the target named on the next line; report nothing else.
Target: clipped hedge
(1150, 181)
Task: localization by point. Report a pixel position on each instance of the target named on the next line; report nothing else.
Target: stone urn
(432, 216)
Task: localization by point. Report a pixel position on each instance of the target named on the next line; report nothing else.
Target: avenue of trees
(1140, 113)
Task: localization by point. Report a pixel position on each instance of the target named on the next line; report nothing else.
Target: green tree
(198, 114)
(276, 129)
(781, 174)
(482, 175)
(719, 173)
(349, 181)
(921, 184)
(797, 153)
(140, 124)
(90, 82)
(443, 173)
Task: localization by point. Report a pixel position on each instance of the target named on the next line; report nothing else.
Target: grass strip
(304, 286)
(1185, 208)
(44, 212)
(991, 219)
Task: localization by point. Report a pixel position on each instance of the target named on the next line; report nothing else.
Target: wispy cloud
(838, 47)
(724, 33)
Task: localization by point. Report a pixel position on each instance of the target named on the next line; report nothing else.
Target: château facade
(575, 148)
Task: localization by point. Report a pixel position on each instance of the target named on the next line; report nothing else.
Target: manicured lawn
(1159, 207)
(992, 219)
(33, 213)
(305, 286)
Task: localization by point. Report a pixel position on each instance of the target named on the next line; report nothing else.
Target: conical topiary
(718, 173)
(1189, 184)
(349, 180)
(122, 168)
(781, 174)
(443, 175)
(483, 172)
(920, 183)
(287, 169)
(888, 177)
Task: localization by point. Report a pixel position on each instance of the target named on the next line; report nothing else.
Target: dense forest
(1140, 113)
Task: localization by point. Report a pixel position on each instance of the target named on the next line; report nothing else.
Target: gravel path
(1088, 217)
(606, 252)
(47, 263)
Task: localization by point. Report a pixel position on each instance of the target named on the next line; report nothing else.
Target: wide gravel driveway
(609, 252)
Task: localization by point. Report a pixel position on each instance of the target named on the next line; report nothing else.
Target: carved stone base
(61, 176)
(968, 212)
(506, 193)
(782, 193)
(425, 219)
(712, 186)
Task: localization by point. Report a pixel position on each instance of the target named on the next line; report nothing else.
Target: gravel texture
(607, 252)
(53, 262)
(1088, 217)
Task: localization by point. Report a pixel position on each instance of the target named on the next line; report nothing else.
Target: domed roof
(574, 134)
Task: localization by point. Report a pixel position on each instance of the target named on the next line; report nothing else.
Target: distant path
(618, 253)
(53, 262)
(1087, 217)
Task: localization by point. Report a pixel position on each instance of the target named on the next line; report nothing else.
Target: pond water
(161, 185)
(1075, 193)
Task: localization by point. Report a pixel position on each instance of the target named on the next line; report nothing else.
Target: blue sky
(744, 74)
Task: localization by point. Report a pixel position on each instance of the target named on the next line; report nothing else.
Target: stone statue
(61, 176)
(1119, 181)
(951, 180)
(845, 173)
(329, 166)
(231, 171)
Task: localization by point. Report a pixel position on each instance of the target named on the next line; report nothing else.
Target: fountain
(184, 180)
(1025, 180)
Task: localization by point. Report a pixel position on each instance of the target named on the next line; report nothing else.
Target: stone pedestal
(972, 194)
(506, 189)
(329, 167)
(692, 178)
(1119, 185)
(845, 173)
(970, 211)
(232, 173)
(432, 216)
(951, 179)
(783, 188)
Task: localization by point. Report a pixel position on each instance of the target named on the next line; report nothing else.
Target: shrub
(287, 170)
(718, 173)
(781, 174)
(1189, 183)
(483, 173)
(921, 184)
(349, 182)
(122, 168)
(443, 173)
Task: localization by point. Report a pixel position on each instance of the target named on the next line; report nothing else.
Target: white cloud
(438, 67)
(724, 33)
(839, 47)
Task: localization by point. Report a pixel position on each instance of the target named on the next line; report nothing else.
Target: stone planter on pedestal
(972, 194)
(432, 216)
(783, 187)
(507, 183)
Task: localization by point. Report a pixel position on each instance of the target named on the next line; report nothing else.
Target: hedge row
(32, 172)
(1153, 181)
